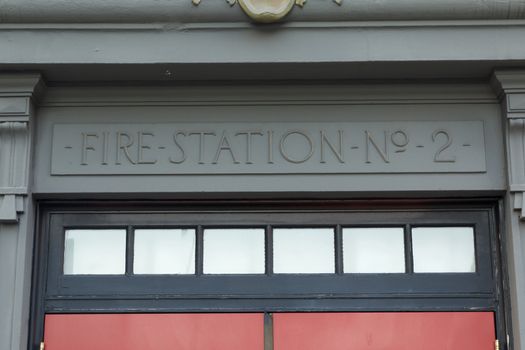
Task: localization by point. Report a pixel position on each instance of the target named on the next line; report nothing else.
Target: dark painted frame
(55, 293)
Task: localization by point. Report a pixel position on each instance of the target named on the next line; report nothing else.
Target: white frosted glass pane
(303, 250)
(159, 251)
(373, 250)
(443, 249)
(95, 252)
(233, 251)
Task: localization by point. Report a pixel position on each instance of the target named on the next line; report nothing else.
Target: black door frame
(452, 292)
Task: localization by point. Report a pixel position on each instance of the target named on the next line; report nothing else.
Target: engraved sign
(269, 148)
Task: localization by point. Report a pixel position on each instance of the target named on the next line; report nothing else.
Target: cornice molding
(288, 94)
(509, 80)
(21, 85)
(184, 11)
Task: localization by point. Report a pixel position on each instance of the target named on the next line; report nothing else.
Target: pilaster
(18, 94)
(510, 86)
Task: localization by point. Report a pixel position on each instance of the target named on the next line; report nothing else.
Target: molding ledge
(10, 207)
(17, 96)
(519, 203)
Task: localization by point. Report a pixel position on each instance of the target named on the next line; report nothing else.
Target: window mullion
(130, 243)
(409, 255)
(339, 250)
(269, 250)
(199, 254)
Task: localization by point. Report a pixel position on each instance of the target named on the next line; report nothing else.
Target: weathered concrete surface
(143, 11)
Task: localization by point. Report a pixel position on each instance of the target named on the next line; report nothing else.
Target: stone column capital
(509, 84)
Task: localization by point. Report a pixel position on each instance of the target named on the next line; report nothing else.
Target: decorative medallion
(267, 11)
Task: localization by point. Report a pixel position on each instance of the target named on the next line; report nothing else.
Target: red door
(154, 332)
(385, 331)
(291, 331)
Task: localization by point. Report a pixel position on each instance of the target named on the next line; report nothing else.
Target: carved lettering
(178, 144)
(86, 146)
(438, 157)
(124, 147)
(249, 143)
(105, 147)
(202, 144)
(224, 145)
(400, 139)
(382, 152)
(337, 152)
(142, 146)
(284, 152)
(270, 147)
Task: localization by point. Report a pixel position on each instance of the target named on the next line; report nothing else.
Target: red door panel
(154, 332)
(384, 331)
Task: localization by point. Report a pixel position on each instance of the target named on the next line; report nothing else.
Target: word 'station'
(271, 148)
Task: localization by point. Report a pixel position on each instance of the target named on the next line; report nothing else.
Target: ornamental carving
(267, 11)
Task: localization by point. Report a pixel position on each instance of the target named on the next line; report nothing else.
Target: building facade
(339, 167)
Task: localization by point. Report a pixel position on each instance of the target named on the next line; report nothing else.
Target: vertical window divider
(409, 254)
(339, 250)
(269, 250)
(199, 253)
(130, 250)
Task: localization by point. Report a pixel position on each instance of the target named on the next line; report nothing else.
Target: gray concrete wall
(263, 104)
(119, 42)
(226, 43)
(244, 107)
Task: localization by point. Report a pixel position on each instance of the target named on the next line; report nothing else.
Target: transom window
(306, 250)
(261, 255)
